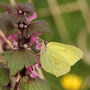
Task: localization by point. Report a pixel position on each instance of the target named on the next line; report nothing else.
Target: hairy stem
(17, 82)
(16, 85)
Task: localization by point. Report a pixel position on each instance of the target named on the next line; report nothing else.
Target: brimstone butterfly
(57, 58)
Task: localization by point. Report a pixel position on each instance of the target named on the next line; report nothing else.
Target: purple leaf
(25, 9)
(5, 23)
(36, 27)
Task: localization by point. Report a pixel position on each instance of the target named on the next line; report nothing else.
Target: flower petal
(38, 46)
(33, 16)
(34, 74)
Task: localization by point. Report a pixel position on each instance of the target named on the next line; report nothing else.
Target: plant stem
(21, 40)
(17, 82)
(16, 85)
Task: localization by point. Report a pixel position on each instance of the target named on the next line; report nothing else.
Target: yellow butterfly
(57, 58)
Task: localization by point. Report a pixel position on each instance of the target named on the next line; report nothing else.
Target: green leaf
(17, 59)
(36, 84)
(38, 26)
(4, 76)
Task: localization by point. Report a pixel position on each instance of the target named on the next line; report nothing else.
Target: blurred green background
(69, 21)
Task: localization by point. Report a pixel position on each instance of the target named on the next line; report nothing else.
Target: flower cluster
(21, 32)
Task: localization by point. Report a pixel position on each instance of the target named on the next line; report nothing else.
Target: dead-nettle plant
(19, 65)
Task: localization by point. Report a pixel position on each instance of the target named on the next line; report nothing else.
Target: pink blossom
(32, 71)
(34, 74)
(38, 46)
(34, 39)
(25, 46)
(13, 37)
(32, 17)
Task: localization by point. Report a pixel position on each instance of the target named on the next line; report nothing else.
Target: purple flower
(20, 17)
(32, 71)
(14, 39)
(32, 17)
(38, 46)
(34, 39)
(34, 74)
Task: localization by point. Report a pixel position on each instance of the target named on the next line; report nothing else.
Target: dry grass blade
(13, 2)
(7, 41)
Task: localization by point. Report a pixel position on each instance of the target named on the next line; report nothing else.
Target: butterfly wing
(57, 58)
(70, 54)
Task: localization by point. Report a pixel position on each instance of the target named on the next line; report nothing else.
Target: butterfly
(57, 58)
